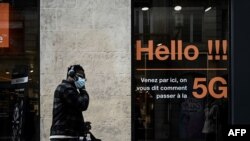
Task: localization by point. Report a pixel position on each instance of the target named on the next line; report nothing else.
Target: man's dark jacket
(67, 110)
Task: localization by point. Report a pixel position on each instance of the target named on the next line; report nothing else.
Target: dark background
(240, 37)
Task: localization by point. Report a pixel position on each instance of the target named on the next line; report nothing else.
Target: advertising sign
(180, 67)
(4, 25)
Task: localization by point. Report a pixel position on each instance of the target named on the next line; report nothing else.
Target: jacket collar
(69, 82)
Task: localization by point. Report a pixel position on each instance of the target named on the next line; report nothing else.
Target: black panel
(240, 61)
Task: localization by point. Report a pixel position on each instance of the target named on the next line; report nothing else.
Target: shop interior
(19, 70)
(192, 22)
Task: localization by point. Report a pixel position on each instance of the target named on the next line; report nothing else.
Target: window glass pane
(180, 67)
(19, 70)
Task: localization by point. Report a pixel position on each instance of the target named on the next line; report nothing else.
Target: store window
(180, 67)
(19, 70)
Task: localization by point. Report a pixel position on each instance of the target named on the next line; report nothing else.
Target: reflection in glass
(19, 70)
(192, 22)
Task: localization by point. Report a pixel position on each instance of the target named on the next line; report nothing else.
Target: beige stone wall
(95, 34)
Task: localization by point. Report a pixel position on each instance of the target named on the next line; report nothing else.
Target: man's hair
(76, 69)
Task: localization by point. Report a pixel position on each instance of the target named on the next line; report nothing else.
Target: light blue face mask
(80, 83)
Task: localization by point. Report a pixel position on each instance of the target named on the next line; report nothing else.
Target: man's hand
(82, 90)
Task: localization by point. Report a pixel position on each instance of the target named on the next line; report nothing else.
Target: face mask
(80, 83)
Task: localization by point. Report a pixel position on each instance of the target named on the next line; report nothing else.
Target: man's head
(75, 71)
(76, 74)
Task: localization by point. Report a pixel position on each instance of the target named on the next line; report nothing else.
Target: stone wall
(97, 35)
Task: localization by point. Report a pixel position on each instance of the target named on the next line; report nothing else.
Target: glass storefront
(19, 70)
(180, 68)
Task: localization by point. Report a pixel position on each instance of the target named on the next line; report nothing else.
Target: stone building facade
(97, 35)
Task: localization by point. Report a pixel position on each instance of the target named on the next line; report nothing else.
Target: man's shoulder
(64, 85)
